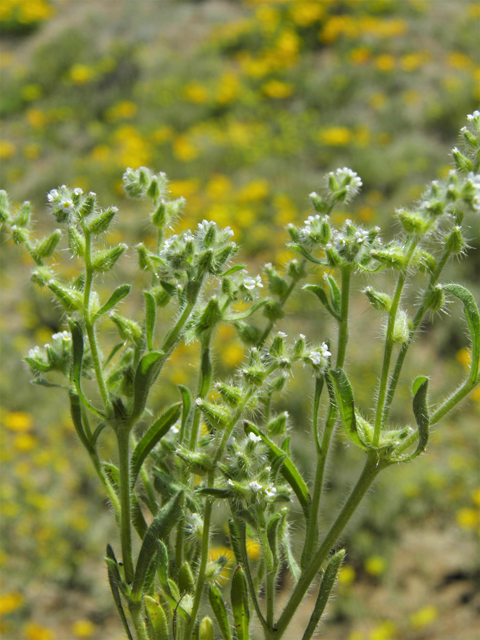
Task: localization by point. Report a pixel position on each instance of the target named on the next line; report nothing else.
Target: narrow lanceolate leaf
(119, 294)
(76, 413)
(235, 540)
(152, 437)
(186, 406)
(420, 409)
(473, 319)
(340, 388)
(240, 609)
(328, 582)
(302, 251)
(145, 375)
(77, 353)
(232, 270)
(322, 296)
(161, 526)
(335, 294)
(157, 618)
(220, 611)
(288, 469)
(150, 315)
(114, 580)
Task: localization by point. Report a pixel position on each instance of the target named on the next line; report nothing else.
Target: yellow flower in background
(32, 151)
(7, 150)
(196, 93)
(134, 150)
(476, 496)
(423, 617)
(81, 74)
(360, 55)
(385, 62)
(468, 518)
(375, 565)
(377, 101)
(464, 357)
(254, 190)
(162, 135)
(458, 60)
(185, 188)
(306, 13)
(231, 354)
(83, 628)
(18, 421)
(335, 136)
(10, 602)
(346, 575)
(254, 550)
(385, 631)
(124, 110)
(34, 631)
(36, 118)
(24, 443)
(277, 89)
(184, 149)
(229, 88)
(219, 186)
(413, 61)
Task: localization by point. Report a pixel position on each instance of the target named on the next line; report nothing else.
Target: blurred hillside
(245, 104)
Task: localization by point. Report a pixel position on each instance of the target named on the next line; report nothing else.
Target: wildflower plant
(224, 442)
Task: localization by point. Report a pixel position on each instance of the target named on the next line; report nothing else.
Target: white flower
(230, 483)
(472, 116)
(360, 236)
(270, 491)
(280, 334)
(325, 352)
(255, 486)
(77, 191)
(175, 429)
(229, 232)
(53, 195)
(66, 206)
(315, 357)
(199, 402)
(250, 283)
(253, 438)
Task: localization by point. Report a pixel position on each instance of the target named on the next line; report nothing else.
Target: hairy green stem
(368, 475)
(135, 609)
(125, 501)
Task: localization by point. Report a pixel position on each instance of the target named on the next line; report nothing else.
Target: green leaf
(42, 382)
(161, 526)
(152, 437)
(150, 315)
(302, 251)
(322, 296)
(220, 611)
(77, 353)
(420, 409)
(113, 353)
(186, 406)
(234, 540)
(288, 469)
(335, 295)
(473, 319)
(341, 393)
(232, 270)
(328, 582)
(119, 294)
(157, 617)
(114, 579)
(239, 600)
(147, 370)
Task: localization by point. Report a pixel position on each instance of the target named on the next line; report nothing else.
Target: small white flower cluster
(252, 283)
(473, 183)
(270, 490)
(254, 438)
(64, 335)
(320, 358)
(474, 117)
(348, 180)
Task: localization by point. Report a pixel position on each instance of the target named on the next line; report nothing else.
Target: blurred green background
(245, 104)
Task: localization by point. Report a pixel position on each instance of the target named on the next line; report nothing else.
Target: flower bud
(186, 581)
(218, 415)
(45, 248)
(106, 259)
(22, 217)
(470, 138)
(230, 394)
(379, 300)
(276, 284)
(99, 222)
(76, 241)
(248, 333)
(206, 629)
(41, 276)
(278, 426)
(391, 256)
(277, 348)
(210, 317)
(319, 203)
(4, 207)
(333, 258)
(128, 329)
(463, 164)
(401, 330)
(455, 242)
(69, 298)
(296, 270)
(293, 232)
(299, 347)
(273, 311)
(413, 222)
(435, 298)
(159, 216)
(88, 205)
(19, 235)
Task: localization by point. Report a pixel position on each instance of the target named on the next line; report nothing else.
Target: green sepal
(220, 611)
(145, 375)
(161, 526)
(473, 319)
(157, 617)
(205, 631)
(326, 586)
(303, 252)
(77, 359)
(218, 494)
(105, 259)
(232, 270)
(239, 600)
(115, 581)
(152, 437)
(288, 469)
(341, 393)
(206, 372)
(322, 296)
(100, 221)
(45, 248)
(150, 315)
(76, 414)
(186, 580)
(69, 298)
(119, 294)
(272, 533)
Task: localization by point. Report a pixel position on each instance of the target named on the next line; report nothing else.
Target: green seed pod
(248, 333)
(379, 300)
(41, 276)
(99, 222)
(174, 209)
(206, 629)
(217, 414)
(299, 347)
(278, 426)
(273, 311)
(159, 216)
(88, 205)
(186, 580)
(4, 207)
(211, 315)
(239, 599)
(277, 285)
(319, 204)
(76, 241)
(296, 270)
(70, 299)
(470, 138)
(220, 611)
(45, 248)
(105, 260)
(392, 256)
(254, 375)
(19, 235)
(435, 298)
(426, 262)
(401, 330)
(455, 242)
(277, 348)
(463, 164)
(333, 258)
(157, 617)
(278, 383)
(230, 394)
(23, 215)
(128, 329)
(414, 222)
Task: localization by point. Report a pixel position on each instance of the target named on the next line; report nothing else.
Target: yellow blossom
(375, 565)
(254, 550)
(464, 357)
(195, 92)
(24, 443)
(123, 110)
(32, 151)
(185, 188)
(81, 74)
(7, 150)
(335, 136)
(468, 518)
(18, 421)
(229, 88)
(412, 61)
(232, 354)
(254, 190)
(476, 496)
(219, 186)
(458, 60)
(346, 575)
(162, 135)
(385, 62)
(305, 13)
(385, 631)
(277, 89)
(423, 617)
(359, 55)
(36, 118)
(184, 149)
(10, 602)
(34, 631)
(83, 628)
